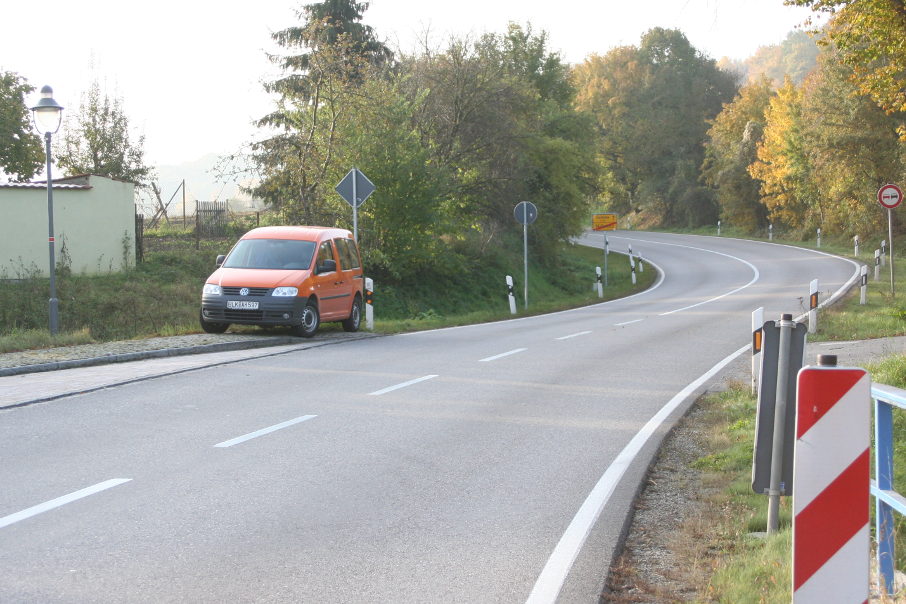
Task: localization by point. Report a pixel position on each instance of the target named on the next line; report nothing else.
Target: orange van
(286, 275)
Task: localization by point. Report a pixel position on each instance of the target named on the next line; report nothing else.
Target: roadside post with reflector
(883, 252)
(641, 264)
(813, 306)
(757, 322)
(770, 232)
(606, 254)
(511, 295)
(831, 484)
(718, 228)
(782, 356)
(819, 238)
(856, 246)
(369, 303)
(863, 289)
(632, 266)
(877, 265)
(598, 284)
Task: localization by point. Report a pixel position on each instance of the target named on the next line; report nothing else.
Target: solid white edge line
(263, 431)
(61, 501)
(550, 581)
(403, 385)
(500, 356)
(573, 335)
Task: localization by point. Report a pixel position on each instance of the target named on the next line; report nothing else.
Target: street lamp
(47, 115)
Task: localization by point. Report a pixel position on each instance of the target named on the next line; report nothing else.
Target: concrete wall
(93, 216)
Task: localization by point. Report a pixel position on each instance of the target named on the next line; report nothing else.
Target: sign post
(355, 189)
(526, 213)
(890, 196)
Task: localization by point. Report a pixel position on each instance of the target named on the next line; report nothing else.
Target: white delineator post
(877, 265)
(883, 252)
(757, 339)
(369, 303)
(511, 294)
(598, 284)
(819, 238)
(813, 306)
(863, 289)
(632, 266)
(856, 246)
(831, 485)
(641, 264)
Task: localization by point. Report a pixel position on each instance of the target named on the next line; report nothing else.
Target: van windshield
(277, 254)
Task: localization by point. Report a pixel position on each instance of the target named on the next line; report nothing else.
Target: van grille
(253, 291)
(233, 314)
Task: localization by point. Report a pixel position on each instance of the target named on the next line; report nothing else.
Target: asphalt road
(491, 463)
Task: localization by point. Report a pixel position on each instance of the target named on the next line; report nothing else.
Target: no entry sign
(890, 196)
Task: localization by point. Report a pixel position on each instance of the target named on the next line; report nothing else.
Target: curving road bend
(490, 463)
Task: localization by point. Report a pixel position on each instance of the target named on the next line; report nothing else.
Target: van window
(348, 256)
(325, 252)
(281, 254)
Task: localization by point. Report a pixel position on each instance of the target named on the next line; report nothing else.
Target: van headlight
(285, 291)
(212, 290)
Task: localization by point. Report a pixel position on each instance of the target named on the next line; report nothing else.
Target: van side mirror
(220, 259)
(328, 266)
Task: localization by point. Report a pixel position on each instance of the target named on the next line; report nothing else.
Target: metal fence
(887, 499)
(211, 218)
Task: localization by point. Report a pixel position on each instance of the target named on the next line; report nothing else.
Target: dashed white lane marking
(263, 431)
(61, 501)
(500, 356)
(628, 322)
(403, 385)
(573, 335)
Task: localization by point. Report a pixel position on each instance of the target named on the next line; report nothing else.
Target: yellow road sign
(604, 222)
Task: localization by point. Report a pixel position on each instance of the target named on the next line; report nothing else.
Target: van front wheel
(311, 320)
(210, 327)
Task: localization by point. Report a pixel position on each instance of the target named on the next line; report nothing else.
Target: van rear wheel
(354, 321)
(311, 320)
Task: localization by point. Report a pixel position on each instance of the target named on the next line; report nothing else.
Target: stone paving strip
(85, 355)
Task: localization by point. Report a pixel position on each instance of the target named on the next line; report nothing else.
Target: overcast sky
(190, 72)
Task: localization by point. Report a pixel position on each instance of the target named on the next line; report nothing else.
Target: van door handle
(339, 282)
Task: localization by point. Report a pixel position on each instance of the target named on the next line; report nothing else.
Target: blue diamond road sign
(355, 180)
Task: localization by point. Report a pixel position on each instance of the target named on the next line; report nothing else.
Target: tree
(21, 151)
(732, 140)
(783, 165)
(316, 93)
(852, 145)
(96, 140)
(653, 104)
(870, 36)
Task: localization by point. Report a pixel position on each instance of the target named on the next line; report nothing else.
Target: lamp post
(47, 115)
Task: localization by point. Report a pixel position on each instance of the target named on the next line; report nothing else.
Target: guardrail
(887, 500)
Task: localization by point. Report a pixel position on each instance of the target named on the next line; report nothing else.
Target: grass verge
(161, 296)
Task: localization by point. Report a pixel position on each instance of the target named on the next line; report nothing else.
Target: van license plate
(242, 304)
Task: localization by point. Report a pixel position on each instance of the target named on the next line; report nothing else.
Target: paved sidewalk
(42, 382)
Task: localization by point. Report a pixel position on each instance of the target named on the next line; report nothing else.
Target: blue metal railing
(887, 500)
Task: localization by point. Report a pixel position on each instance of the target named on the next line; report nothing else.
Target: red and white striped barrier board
(831, 486)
